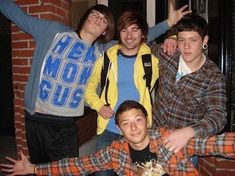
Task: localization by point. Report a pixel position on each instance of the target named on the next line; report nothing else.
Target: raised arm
(29, 24)
(173, 17)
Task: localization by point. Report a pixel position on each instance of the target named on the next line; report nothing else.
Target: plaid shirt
(197, 99)
(117, 156)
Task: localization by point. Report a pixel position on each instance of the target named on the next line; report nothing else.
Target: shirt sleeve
(214, 119)
(218, 145)
(157, 30)
(91, 95)
(32, 25)
(101, 160)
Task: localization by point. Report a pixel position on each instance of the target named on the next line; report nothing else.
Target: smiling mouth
(187, 54)
(136, 134)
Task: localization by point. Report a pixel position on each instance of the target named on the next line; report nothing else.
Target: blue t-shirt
(126, 85)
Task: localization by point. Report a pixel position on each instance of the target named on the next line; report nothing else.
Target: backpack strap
(147, 64)
(104, 79)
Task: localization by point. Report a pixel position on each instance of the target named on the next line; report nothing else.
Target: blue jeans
(103, 140)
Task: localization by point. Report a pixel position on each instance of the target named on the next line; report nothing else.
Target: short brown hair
(130, 17)
(110, 22)
(193, 22)
(128, 105)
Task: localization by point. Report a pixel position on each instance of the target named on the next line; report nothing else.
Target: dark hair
(128, 105)
(192, 23)
(130, 17)
(110, 22)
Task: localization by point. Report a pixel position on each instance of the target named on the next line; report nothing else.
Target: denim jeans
(103, 140)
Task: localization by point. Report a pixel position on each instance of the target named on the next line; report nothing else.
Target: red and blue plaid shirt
(117, 156)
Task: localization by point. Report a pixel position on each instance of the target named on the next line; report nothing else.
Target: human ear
(205, 40)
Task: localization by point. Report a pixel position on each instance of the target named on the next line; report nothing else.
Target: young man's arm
(218, 145)
(29, 24)
(91, 96)
(173, 17)
(77, 166)
(214, 119)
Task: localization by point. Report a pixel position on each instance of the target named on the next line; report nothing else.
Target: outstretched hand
(18, 167)
(175, 15)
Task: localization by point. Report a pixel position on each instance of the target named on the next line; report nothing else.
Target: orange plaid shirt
(117, 156)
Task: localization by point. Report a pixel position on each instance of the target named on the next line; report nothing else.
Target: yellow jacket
(96, 102)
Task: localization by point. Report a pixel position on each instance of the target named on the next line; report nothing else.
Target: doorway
(6, 93)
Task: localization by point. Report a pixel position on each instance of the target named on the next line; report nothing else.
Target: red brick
(225, 164)
(42, 9)
(20, 61)
(32, 44)
(225, 173)
(23, 53)
(21, 69)
(18, 86)
(61, 12)
(27, 2)
(50, 17)
(21, 78)
(23, 44)
(20, 36)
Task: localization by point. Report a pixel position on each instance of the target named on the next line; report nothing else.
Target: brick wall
(211, 166)
(22, 51)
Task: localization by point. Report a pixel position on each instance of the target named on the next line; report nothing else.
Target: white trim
(151, 12)
(105, 2)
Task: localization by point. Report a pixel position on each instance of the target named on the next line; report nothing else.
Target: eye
(180, 40)
(194, 40)
(139, 119)
(124, 124)
(135, 29)
(104, 20)
(123, 30)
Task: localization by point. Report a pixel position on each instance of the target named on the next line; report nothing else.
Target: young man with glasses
(54, 94)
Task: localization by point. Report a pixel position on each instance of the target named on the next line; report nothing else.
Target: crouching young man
(141, 151)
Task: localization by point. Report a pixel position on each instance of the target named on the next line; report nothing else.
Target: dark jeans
(103, 140)
(50, 138)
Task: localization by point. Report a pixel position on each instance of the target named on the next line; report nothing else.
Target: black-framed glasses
(96, 16)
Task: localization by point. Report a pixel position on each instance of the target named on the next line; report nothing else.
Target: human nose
(129, 34)
(133, 125)
(187, 44)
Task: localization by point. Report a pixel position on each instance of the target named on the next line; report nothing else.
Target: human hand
(18, 167)
(169, 46)
(178, 139)
(175, 15)
(106, 112)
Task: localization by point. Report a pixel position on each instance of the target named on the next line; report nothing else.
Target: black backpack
(147, 64)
